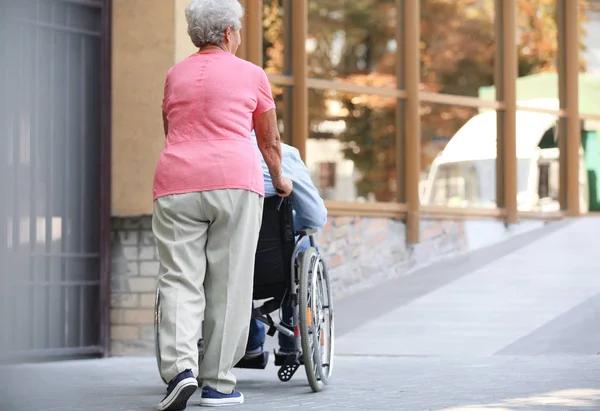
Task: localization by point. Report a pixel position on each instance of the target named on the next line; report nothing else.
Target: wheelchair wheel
(157, 317)
(316, 319)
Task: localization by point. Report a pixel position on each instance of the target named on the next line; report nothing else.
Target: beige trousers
(206, 244)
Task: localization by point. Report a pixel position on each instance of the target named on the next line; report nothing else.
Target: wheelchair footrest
(256, 363)
(280, 359)
(289, 365)
(286, 372)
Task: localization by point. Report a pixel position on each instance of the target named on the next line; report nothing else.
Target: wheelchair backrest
(275, 249)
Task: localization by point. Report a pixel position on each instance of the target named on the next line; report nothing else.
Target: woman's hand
(283, 186)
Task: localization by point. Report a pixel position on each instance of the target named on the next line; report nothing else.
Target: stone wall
(133, 286)
(360, 253)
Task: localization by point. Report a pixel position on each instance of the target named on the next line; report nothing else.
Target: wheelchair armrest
(306, 232)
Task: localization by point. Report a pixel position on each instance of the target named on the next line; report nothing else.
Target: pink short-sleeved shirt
(209, 101)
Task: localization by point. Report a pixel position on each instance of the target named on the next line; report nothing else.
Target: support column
(506, 92)
(400, 105)
(412, 136)
(242, 50)
(299, 12)
(569, 131)
(254, 32)
(288, 61)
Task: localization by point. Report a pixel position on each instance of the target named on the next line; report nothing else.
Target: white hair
(208, 19)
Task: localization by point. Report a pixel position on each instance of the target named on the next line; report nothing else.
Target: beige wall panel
(183, 45)
(143, 49)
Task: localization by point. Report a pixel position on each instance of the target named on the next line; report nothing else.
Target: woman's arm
(268, 139)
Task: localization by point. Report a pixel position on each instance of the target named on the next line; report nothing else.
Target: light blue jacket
(310, 211)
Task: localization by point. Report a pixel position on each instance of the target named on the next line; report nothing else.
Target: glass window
(282, 96)
(472, 183)
(537, 48)
(352, 39)
(457, 46)
(589, 82)
(548, 184)
(458, 160)
(274, 32)
(351, 146)
(458, 156)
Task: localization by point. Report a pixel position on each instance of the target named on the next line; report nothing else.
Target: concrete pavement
(499, 383)
(510, 327)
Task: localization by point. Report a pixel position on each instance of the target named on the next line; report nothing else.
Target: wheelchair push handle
(280, 200)
(280, 191)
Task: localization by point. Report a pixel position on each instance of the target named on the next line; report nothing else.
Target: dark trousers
(256, 337)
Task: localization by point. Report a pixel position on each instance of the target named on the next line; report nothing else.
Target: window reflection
(460, 144)
(351, 146)
(472, 183)
(273, 36)
(349, 38)
(282, 96)
(457, 46)
(18, 233)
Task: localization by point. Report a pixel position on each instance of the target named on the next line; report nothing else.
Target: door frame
(105, 175)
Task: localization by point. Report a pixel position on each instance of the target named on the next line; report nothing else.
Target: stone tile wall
(133, 286)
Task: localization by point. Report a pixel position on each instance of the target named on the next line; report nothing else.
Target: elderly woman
(208, 192)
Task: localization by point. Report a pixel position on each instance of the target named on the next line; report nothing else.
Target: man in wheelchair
(305, 209)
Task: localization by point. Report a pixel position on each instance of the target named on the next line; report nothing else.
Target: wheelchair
(286, 276)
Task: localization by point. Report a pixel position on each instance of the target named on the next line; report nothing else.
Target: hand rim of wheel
(310, 258)
(322, 269)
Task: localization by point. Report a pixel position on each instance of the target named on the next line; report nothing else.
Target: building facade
(374, 94)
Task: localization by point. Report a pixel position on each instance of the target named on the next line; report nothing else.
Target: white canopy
(477, 138)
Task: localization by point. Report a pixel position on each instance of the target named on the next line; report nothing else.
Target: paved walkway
(508, 328)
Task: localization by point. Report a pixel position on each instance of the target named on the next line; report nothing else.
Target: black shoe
(179, 392)
(282, 355)
(254, 361)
